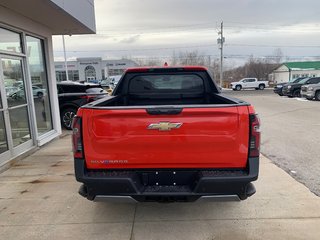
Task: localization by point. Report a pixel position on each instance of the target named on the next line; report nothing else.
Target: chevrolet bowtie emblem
(164, 126)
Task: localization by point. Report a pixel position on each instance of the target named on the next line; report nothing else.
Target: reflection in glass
(39, 84)
(19, 125)
(3, 135)
(14, 82)
(1, 106)
(10, 41)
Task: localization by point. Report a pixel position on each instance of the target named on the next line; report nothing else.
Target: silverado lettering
(169, 135)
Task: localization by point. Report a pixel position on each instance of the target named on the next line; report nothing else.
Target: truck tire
(317, 96)
(67, 116)
(238, 87)
(39, 94)
(261, 87)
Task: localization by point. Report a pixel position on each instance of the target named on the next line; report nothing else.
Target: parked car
(114, 80)
(294, 89)
(11, 90)
(278, 88)
(73, 95)
(166, 134)
(36, 92)
(247, 83)
(311, 91)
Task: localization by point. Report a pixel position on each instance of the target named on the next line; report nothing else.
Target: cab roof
(166, 69)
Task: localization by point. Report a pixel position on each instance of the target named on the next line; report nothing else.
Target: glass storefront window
(10, 41)
(39, 80)
(3, 135)
(20, 128)
(14, 82)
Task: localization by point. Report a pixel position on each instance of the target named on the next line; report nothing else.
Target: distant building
(88, 69)
(292, 70)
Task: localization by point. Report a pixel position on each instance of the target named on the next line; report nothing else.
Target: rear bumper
(307, 94)
(287, 92)
(167, 185)
(277, 90)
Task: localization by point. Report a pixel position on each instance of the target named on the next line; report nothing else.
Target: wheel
(280, 94)
(67, 116)
(39, 94)
(296, 93)
(261, 87)
(317, 96)
(238, 87)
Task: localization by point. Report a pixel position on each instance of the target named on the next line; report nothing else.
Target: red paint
(208, 138)
(174, 68)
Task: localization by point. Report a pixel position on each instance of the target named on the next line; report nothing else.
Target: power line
(139, 49)
(207, 27)
(194, 46)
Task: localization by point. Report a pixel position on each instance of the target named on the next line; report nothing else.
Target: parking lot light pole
(65, 57)
(221, 41)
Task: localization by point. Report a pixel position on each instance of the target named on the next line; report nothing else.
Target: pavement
(290, 133)
(39, 200)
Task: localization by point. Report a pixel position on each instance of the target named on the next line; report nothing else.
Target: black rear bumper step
(175, 185)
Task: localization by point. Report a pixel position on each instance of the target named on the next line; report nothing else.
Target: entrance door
(15, 133)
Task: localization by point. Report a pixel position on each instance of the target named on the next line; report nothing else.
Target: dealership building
(29, 110)
(87, 69)
(292, 70)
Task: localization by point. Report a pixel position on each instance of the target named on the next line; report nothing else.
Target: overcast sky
(153, 28)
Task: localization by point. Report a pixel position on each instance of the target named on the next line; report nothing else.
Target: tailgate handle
(164, 111)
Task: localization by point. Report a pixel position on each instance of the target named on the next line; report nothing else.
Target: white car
(114, 80)
(36, 92)
(247, 83)
(11, 90)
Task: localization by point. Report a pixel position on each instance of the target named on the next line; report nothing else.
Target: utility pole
(221, 41)
(65, 57)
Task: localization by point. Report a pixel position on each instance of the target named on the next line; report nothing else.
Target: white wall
(82, 10)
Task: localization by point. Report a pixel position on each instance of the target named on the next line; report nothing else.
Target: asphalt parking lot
(290, 133)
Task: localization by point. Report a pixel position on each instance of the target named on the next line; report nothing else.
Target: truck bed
(166, 133)
(171, 99)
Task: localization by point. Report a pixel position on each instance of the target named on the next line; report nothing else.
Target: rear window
(79, 88)
(72, 88)
(314, 80)
(166, 83)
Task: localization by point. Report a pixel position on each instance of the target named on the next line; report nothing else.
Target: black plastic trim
(191, 183)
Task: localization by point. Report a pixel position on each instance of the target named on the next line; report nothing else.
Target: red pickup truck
(166, 134)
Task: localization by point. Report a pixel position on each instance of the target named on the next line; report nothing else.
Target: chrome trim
(218, 198)
(164, 126)
(114, 199)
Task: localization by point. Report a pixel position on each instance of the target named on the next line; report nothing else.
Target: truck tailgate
(208, 138)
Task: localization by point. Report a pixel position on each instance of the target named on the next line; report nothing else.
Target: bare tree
(277, 56)
(191, 58)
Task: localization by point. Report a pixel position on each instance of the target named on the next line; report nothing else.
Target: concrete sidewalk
(39, 200)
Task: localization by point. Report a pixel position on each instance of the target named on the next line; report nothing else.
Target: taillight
(77, 146)
(254, 143)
